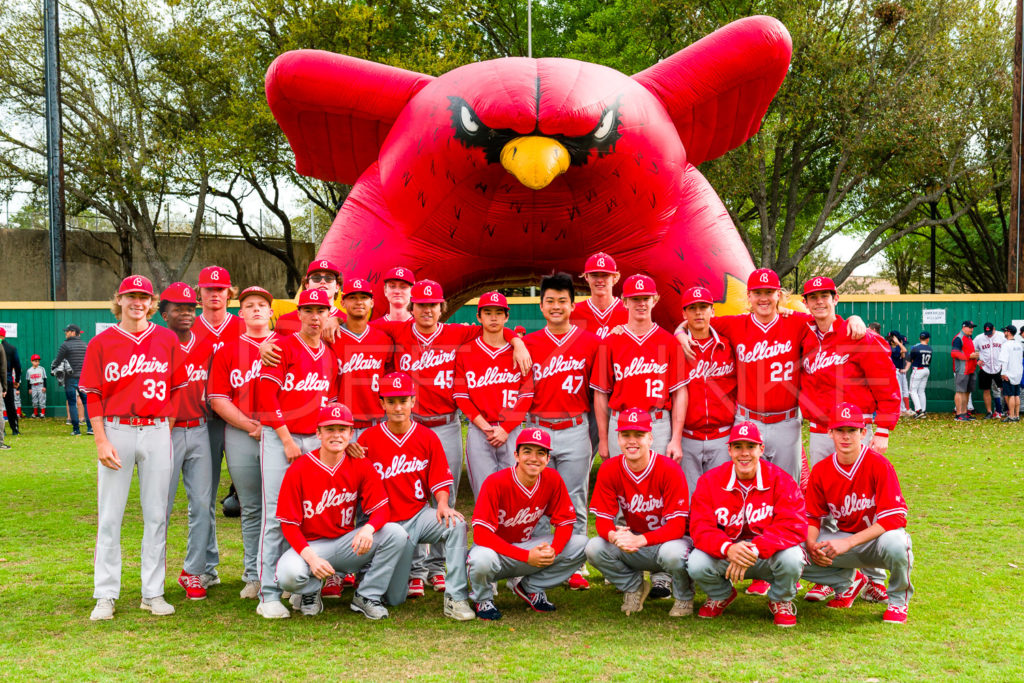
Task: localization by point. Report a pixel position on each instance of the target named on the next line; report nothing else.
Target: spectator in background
(36, 377)
(1011, 369)
(965, 360)
(898, 351)
(13, 376)
(988, 344)
(876, 328)
(920, 361)
(3, 390)
(73, 350)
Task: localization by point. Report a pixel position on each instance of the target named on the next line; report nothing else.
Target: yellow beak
(535, 160)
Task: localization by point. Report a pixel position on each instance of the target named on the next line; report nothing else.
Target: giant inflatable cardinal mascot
(500, 171)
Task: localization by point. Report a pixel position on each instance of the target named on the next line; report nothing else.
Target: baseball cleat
(661, 586)
(273, 609)
(895, 614)
(349, 581)
(784, 613)
(332, 587)
(157, 606)
(309, 605)
(819, 593)
(193, 586)
(681, 608)
(576, 582)
(487, 611)
(633, 601)
(875, 592)
(459, 610)
(209, 580)
(437, 582)
(846, 598)
(370, 608)
(714, 608)
(538, 601)
(251, 590)
(416, 589)
(103, 610)
(758, 587)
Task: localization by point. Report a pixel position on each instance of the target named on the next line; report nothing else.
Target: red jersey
(710, 379)
(768, 511)
(235, 372)
(210, 339)
(192, 397)
(413, 466)
(364, 359)
(590, 318)
(767, 359)
(837, 369)
(509, 510)
(562, 367)
(318, 501)
(288, 323)
(858, 495)
(638, 372)
(293, 392)
(653, 502)
(128, 374)
(488, 383)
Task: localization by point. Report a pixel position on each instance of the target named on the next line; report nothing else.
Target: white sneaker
(103, 610)
(251, 591)
(209, 580)
(274, 609)
(157, 606)
(459, 610)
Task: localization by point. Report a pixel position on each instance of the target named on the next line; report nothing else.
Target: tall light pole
(54, 154)
(1014, 281)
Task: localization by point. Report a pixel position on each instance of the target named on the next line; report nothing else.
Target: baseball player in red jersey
(649, 491)
(234, 378)
(325, 276)
(130, 376)
(747, 519)
(398, 284)
(602, 312)
(317, 510)
(290, 396)
(710, 379)
(563, 361)
(491, 392)
(410, 460)
(190, 440)
(505, 521)
(858, 488)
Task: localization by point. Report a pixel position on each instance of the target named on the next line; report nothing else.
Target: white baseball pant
(625, 570)
(487, 566)
(215, 426)
(190, 447)
(571, 457)
(918, 384)
(427, 560)
(483, 459)
(700, 456)
(782, 442)
(892, 551)
(423, 527)
(781, 570)
(243, 455)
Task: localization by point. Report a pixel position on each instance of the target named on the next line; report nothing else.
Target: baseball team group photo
(472, 363)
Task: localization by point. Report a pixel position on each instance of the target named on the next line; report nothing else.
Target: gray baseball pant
(423, 527)
(571, 458)
(782, 443)
(215, 425)
(38, 393)
(487, 566)
(781, 570)
(388, 561)
(893, 551)
(427, 560)
(149, 450)
(483, 459)
(190, 447)
(273, 465)
(626, 570)
(661, 430)
(243, 455)
(700, 456)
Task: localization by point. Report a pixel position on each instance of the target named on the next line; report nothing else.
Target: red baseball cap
(400, 273)
(846, 415)
(745, 431)
(256, 291)
(3, 333)
(495, 299)
(396, 384)
(534, 436)
(314, 297)
(136, 283)
(322, 264)
(335, 414)
(179, 293)
(214, 276)
(357, 285)
(426, 292)
(633, 420)
(819, 284)
(697, 295)
(763, 278)
(35, 356)
(600, 263)
(639, 285)
(519, 329)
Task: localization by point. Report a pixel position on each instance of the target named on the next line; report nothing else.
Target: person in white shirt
(987, 344)
(1011, 369)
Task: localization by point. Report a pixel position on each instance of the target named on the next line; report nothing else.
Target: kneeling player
(650, 491)
(747, 520)
(410, 460)
(859, 489)
(510, 504)
(316, 508)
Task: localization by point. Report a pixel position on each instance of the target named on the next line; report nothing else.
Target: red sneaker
(846, 598)
(875, 592)
(349, 581)
(758, 587)
(437, 582)
(819, 593)
(714, 608)
(895, 614)
(578, 583)
(193, 586)
(332, 587)
(416, 589)
(784, 613)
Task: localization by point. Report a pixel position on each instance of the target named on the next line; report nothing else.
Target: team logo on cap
(743, 430)
(323, 265)
(698, 293)
(632, 417)
(639, 284)
(845, 413)
(600, 262)
(428, 291)
(357, 283)
(816, 282)
(537, 434)
(764, 277)
(336, 412)
(186, 291)
(137, 282)
(214, 275)
(396, 383)
(400, 273)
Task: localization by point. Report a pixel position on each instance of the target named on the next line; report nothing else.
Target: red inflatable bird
(500, 171)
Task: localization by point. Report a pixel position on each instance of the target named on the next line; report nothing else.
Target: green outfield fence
(37, 327)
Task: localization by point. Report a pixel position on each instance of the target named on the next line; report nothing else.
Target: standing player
(234, 377)
(130, 375)
(649, 491)
(317, 508)
(322, 275)
(510, 504)
(965, 360)
(1011, 369)
(290, 397)
(410, 460)
(190, 440)
(398, 284)
(563, 361)
(492, 393)
(858, 488)
(988, 345)
(920, 360)
(602, 312)
(747, 520)
(36, 377)
(710, 379)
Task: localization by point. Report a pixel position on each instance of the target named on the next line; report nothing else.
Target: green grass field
(962, 482)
